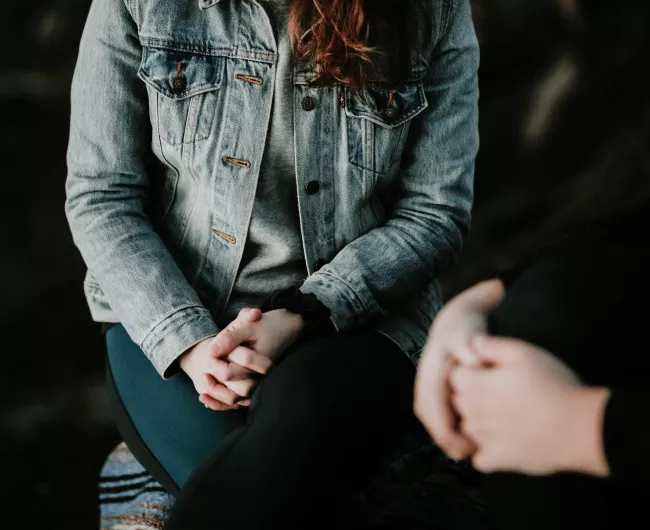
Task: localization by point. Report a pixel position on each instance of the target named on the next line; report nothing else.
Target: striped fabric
(418, 489)
(129, 498)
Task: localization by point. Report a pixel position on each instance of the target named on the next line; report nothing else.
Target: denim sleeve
(107, 190)
(426, 231)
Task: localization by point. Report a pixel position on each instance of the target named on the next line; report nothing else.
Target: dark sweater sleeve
(627, 437)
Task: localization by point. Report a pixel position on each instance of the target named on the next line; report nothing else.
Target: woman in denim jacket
(265, 192)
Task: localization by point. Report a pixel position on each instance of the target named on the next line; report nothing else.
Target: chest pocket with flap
(183, 92)
(378, 121)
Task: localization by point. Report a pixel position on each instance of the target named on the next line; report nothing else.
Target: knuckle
(226, 395)
(246, 391)
(454, 379)
(246, 357)
(442, 439)
(220, 370)
(449, 443)
(208, 382)
(212, 405)
(481, 464)
(265, 366)
(237, 371)
(227, 341)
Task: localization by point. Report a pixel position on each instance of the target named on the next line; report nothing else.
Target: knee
(297, 390)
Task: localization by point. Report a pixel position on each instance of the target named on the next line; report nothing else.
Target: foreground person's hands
(224, 381)
(527, 412)
(459, 322)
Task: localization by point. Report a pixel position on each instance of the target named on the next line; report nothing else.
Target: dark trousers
(320, 422)
(588, 304)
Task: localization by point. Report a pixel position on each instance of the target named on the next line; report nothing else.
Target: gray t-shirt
(273, 257)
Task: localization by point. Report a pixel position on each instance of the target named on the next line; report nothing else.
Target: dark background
(565, 111)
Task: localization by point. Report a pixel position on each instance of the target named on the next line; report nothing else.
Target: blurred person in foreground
(541, 378)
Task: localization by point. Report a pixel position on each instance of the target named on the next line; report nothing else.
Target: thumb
(249, 314)
(497, 350)
(482, 462)
(224, 343)
(483, 297)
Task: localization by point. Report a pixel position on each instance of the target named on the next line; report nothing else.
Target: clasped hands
(226, 369)
(506, 404)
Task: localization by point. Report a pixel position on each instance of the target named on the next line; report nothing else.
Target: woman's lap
(162, 412)
(319, 423)
(326, 412)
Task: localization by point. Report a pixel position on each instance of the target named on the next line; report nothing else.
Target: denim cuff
(346, 306)
(176, 334)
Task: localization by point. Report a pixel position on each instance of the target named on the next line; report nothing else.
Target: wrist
(314, 315)
(185, 358)
(295, 321)
(586, 442)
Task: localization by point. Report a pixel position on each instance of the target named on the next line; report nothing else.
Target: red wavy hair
(356, 42)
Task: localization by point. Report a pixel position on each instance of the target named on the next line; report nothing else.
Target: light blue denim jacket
(170, 111)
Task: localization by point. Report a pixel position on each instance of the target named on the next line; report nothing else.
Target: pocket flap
(180, 75)
(387, 107)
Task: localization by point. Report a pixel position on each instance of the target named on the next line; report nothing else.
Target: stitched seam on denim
(159, 135)
(361, 303)
(191, 128)
(231, 53)
(452, 5)
(186, 219)
(194, 91)
(131, 8)
(404, 119)
(162, 154)
(93, 286)
(405, 125)
(191, 309)
(369, 155)
(165, 360)
(207, 4)
(186, 162)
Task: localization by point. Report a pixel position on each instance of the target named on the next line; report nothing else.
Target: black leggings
(320, 422)
(588, 305)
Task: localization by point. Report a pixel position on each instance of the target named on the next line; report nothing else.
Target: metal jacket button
(312, 188)
(391, 112)
(179, 83)
(308, 103)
